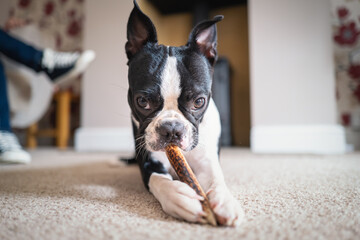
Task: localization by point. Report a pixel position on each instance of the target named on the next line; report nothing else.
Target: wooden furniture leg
(31, 141)
(61, 132)
(63, 119)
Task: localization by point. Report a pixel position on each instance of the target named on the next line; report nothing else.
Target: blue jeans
(19, 52)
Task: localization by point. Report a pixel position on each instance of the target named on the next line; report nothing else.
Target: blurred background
(287, 79)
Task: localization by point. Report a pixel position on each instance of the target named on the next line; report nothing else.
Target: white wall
(105, 116)
(292, 77)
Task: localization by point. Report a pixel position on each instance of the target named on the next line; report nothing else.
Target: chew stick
(186, 175)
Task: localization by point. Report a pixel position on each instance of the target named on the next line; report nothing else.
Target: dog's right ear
(140, 30)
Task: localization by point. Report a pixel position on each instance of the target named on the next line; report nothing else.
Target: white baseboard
(317, 139)
(104, 139)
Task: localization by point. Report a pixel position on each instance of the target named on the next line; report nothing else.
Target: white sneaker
(63, 67)
(10, 149)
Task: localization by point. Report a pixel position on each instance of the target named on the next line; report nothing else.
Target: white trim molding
(315, 139)
(104, 139)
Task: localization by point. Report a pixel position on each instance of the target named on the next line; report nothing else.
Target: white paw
(227, 209)
(178, 199)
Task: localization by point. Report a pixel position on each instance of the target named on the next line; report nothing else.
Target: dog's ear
(140, 30)
(204, 37)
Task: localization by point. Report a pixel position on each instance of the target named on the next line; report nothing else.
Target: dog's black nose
(171, 131)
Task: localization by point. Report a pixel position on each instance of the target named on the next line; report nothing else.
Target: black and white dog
(170, 99)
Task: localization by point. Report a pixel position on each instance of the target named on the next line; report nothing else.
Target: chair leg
(31, 133)
(63, 119)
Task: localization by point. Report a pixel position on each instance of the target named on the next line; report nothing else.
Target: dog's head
(169, 87)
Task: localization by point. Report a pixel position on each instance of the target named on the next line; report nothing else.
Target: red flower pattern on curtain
(342, 12)
(354, 71)
(63, 19)
(346, 31)
(49, 8)
(347, 34)
(356, 93)
(24, 3)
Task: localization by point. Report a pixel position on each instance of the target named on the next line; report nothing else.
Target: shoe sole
(15, 158)
(81, 64)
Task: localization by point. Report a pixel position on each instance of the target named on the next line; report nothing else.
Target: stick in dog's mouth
(186, 175)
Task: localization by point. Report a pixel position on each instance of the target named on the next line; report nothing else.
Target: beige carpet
(67, 195)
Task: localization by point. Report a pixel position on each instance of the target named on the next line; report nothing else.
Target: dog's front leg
(227, 209)
(176, 198)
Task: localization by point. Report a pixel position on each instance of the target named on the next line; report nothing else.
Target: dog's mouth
(160, 142)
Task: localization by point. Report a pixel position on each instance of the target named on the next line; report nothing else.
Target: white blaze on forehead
(170, 92)
(170, 85)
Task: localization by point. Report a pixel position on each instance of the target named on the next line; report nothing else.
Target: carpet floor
(69, 195)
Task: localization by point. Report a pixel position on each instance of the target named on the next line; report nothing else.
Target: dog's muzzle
(169, 129)
(171, 132)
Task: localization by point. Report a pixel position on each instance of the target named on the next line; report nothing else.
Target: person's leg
(20, 51)
(10, 149)
(60, 67)
(4, 103)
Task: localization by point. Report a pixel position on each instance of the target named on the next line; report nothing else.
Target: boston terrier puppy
(170, 99)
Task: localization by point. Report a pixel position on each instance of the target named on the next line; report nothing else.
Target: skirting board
(316, 139)
(104, 139)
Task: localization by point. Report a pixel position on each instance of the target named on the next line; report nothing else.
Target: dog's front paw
(182, 202)
(179, 200)
(227, 209)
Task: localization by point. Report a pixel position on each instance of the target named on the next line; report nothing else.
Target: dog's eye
(199, 103)
(143, 103)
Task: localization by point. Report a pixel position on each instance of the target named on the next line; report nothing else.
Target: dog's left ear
(140, 30)
(204, 37)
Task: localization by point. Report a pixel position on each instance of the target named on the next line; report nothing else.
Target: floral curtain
(346, 34)
(62, 19)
